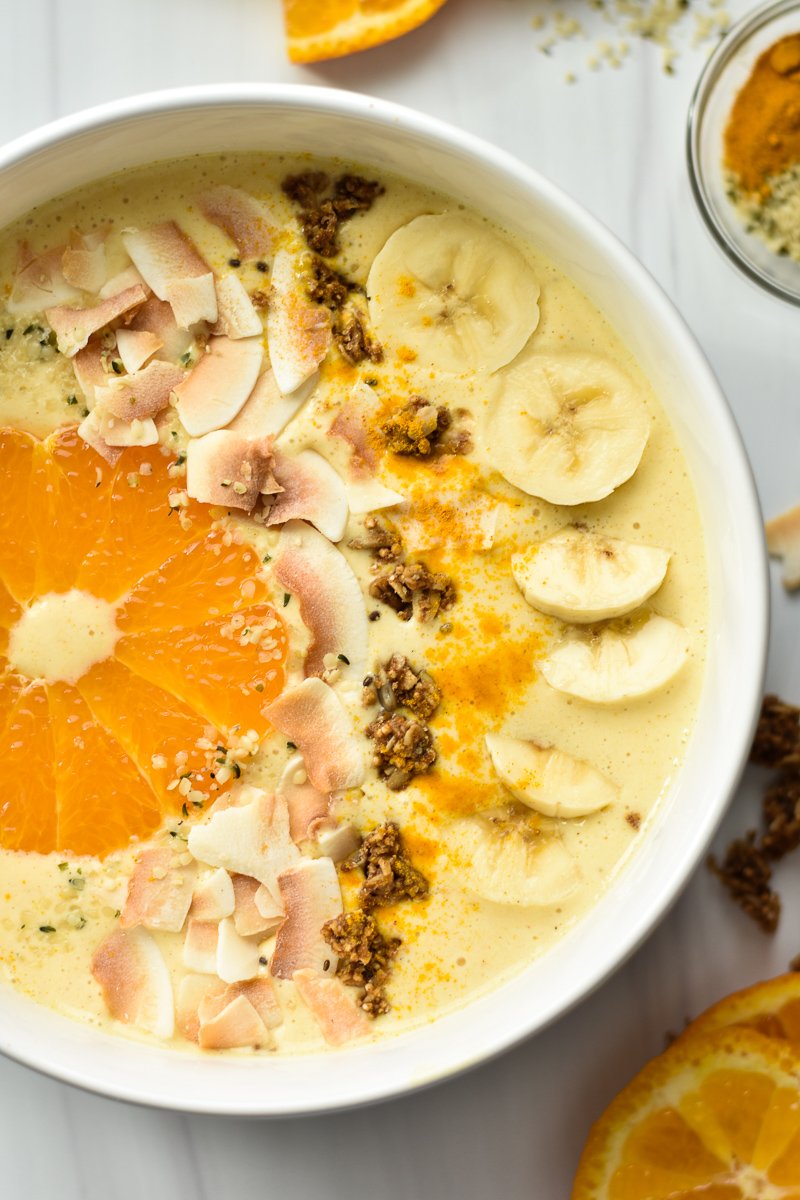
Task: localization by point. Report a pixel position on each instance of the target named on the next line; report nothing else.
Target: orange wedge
(93, 761)
(716, 1117)
(772, 1008)
(320, 29)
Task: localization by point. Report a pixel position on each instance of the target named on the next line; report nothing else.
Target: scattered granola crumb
(746, 873)
(353, 341)
(389, 874)
(411, 589)
(777, 740)
(321, 215)
(365, 957)
(781, 811)
(416, 428)
(329, 287)
(634, 819)
(384, 544)
(397, 685)
(403, 748)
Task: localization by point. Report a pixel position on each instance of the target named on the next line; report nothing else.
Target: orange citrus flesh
(91, 764)
(716, 1115)
(771, 1008)
(320, 29)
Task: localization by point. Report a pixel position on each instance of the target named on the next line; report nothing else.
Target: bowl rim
(440, 134)
(734, 39)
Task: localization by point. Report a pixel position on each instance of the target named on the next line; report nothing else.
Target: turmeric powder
(762, 137)
(762, 148)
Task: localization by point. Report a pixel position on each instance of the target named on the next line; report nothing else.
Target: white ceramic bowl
(388, 138)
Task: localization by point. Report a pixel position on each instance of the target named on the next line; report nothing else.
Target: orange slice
(319, 29)
(772, 1008)
(716, 1117)
(93, 761)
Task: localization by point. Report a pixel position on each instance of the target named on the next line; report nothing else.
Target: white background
(614, 140)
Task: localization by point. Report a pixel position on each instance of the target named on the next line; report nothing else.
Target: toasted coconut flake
(89, 430)
(192, 991)
(213, 898)
(366, 495)
(312, 491)
(352, 423)
(783, 542)
(163, 254)
(227, 469)
(306, 805)
(127, 278)
(116, 432)
(159, 893)
(74, 326)
(271, 909)
(336, 842)
(237, 317)
(248, 839)
(249, 223)
(135, 347)
(311, 896)
(39, 282)
(135, 982)
(298, 332)
(330, 598)
(261, 994)
(333, 1007)
(237, 1027)
(248, 919)
(266, 412)
(237, 957)
(216, 389)
(89, 372)
(200, 946)
(84, 262)
(193, 300)
(157, 318)
(313, 717)
(143, 394)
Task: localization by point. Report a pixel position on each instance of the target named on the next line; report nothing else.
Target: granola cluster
(389, 874)
(403, 748)
(365, 957)
(396, 684)
(746, 869)
(409, 589)
(324, 210)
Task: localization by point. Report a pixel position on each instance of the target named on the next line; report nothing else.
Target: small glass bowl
(725, 73)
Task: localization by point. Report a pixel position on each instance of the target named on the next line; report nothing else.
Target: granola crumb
(383, 543)
(389, 874)
(634, 819)
(403, 748)
(321, 215)
(781, 813)
(416, 429)
(746, 873)
(411, 589)
(353, 341)
(328, 287)
(365, 957)
(777, 739)
(396, 684)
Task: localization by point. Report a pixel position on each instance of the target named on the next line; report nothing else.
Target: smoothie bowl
(383, 605)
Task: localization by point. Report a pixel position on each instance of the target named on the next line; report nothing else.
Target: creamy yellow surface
(483, 653)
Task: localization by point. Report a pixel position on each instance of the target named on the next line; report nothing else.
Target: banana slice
(567, 428)
(618, 662)
(585, 577)
(547, 780)
(454, 293)
(508, 863)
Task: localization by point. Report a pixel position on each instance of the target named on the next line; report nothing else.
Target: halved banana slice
(507, 863)
(618, 662)
(584, 577)
(547, 780)
(453, 292)
(567, 428)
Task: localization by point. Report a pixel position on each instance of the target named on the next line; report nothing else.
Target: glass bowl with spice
(743, 147)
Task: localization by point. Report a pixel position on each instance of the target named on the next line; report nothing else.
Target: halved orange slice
(319, 29)
(771, 1007)
(716, 1117)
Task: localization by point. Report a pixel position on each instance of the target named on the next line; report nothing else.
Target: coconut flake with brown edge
(306, 804)
(250, 838)
(266, 412)
(135, 347)
(311, 896)
(248, 222)
(298, 331)
(135, 982)
(216, 389)
(227, 469)
(84, 261)
(237, 1027)
(90, 432)
(236, 315)
(312, 491)
(248, 920)
(200, 946)
(142, 394)
(333, 1007)
(312, 716)
(159, 892)
(213, 898)
(157, 319)
(74, 326)
(330, 599)
(172, 266)
(39, 281)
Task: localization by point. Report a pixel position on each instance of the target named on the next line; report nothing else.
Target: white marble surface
(615, 141)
